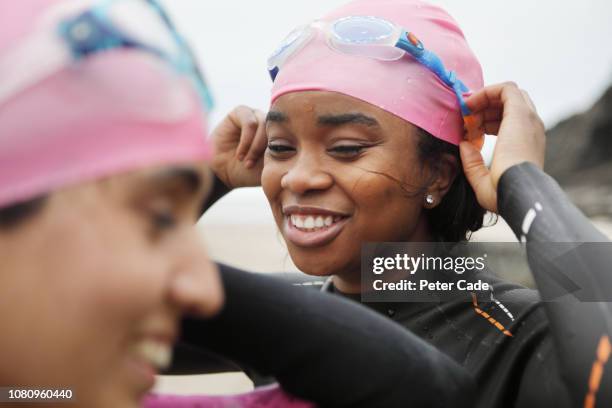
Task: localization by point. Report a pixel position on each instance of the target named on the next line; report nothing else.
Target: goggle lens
(290, 45)
(363, 30)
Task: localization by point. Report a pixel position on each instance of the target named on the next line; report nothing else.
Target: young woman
(103, 171)
(365, 145)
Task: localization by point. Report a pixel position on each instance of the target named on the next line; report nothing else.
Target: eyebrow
(348, 119)
(185, 176)
(277, 117)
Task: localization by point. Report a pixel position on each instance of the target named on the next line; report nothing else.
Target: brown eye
(279, 150)
(161, 214)
(347, 150)
(164, 221)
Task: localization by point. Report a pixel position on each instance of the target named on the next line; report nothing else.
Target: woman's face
(339, 172)
(92, 286)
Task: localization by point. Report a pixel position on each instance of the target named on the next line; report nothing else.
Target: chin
(309, 270)
(318, 264)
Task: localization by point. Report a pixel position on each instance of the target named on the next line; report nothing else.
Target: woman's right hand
(240, 141)
(508, 112)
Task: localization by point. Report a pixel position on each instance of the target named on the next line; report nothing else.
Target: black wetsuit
(325, 349)
(549, 353)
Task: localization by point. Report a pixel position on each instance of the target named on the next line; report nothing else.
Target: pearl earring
(429, 199)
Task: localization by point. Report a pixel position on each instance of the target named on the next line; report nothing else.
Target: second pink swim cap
(404, 87)
(113, 112)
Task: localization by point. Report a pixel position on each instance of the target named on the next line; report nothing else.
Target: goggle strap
(205, 96)
(188, 61)
(105, 37)
(48, 50)
(273, 73)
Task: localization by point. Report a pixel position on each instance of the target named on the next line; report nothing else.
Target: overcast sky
(559, 51)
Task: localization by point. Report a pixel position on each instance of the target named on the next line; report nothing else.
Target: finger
(260, 142)
(505, 95)
(493, 114)
(485, 122)
(514, 102)
(248, 126)
(474, 130)
(528, 100)
(478, 176)
(487, 97)
(476, 120)
(491, 127)
(473, 165)
(246, 120)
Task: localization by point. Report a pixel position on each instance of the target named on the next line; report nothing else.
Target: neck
(349, 282)
(352, 285)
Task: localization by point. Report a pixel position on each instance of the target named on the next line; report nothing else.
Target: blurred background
(559, 51)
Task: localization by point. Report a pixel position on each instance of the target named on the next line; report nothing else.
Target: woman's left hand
(508, 112)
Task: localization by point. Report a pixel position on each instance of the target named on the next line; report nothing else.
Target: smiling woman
(347, 161)
(98, 197)
(351, 155)
(126, 306)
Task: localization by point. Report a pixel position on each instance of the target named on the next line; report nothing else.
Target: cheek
(92, 284)
(387, 209)
(123, 270)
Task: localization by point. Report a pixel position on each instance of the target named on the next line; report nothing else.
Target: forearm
(326, 349)
(219, 189)
(570, 261)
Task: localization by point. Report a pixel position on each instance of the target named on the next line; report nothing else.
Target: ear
(444, 172)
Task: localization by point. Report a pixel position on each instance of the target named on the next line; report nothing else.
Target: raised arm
(571, 263)
(325, 349)
(570, 260)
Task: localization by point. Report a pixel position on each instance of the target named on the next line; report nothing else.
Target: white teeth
(297, 221)
(319, 222)
(154, 352)
(310, 222)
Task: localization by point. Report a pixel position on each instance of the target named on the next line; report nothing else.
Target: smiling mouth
(157, 354)
(312, 229)
(148, 357)
(311, 222)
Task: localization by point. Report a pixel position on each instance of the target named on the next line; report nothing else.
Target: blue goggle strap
(413, 46)
(273, 73)
(90, 33)
(189, 62)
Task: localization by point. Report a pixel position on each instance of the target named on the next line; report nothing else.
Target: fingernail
(249, 164)
(241, 157)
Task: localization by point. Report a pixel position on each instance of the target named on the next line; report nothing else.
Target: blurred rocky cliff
(579, 157)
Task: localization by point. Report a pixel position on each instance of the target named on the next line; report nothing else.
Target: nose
(307, 174)
(195, 282)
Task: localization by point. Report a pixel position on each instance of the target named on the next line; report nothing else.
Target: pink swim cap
(110, 113)
(404, 87)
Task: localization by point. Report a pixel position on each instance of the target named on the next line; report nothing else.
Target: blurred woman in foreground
(103, 171)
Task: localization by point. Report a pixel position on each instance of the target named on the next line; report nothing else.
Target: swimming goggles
(372, 37)
(77, 30)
